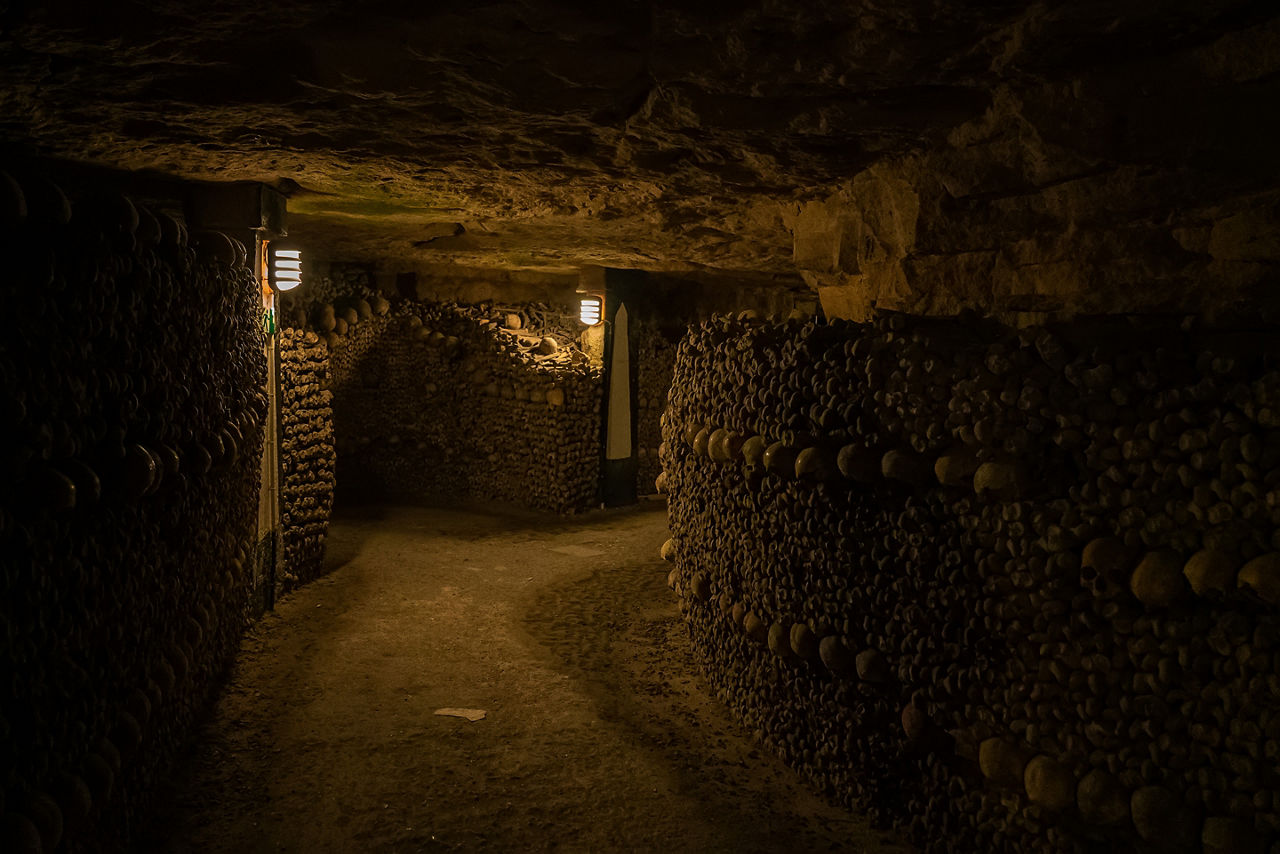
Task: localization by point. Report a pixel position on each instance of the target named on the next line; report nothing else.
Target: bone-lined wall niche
(1010, 590)
(133, 399)
(443, 401)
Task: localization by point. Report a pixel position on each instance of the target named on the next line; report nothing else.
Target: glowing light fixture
(589, 310)
(285, 272)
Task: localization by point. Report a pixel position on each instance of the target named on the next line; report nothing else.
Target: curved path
(599, 734)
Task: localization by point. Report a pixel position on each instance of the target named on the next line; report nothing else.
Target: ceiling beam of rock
(925, 154)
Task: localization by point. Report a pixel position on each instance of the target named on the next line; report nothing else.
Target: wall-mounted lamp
(590, 309)
(285, 270)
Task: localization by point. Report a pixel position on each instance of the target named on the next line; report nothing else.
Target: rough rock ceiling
(547, 132)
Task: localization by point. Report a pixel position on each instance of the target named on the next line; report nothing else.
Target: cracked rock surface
(928, 155)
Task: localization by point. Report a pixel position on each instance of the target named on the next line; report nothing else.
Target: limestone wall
(1068, 198)
(1010, 591)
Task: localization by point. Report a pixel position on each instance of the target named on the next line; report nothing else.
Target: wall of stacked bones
(133, 404)
(1010, 590)
(444, 401)
(308, 460)
(655, 360)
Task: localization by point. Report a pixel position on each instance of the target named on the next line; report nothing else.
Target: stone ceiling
(551, 133)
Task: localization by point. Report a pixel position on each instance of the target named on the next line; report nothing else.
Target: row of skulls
(1009, 590)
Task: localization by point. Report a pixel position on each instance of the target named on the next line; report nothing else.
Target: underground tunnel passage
(663, 426)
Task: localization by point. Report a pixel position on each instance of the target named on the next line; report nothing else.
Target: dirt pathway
(599, 733)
